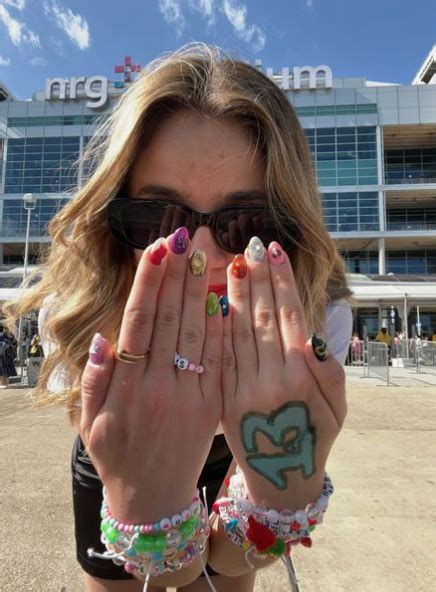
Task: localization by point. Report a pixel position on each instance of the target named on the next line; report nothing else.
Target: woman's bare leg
(223, 584)
(99, 585)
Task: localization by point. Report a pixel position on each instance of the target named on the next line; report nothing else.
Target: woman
(7, 357)
(135, 256)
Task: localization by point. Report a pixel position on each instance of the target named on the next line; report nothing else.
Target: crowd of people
(396, 345)
(31, 347)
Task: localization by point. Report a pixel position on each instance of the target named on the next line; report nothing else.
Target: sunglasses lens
(234, 229)
(139, 223)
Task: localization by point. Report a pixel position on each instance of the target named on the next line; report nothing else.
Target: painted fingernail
(198, 262)
(320, 348)
(256, 250)
(275, 254)
(96, 350)
(212, 304)
(180, 240)
(158, 252)
(224, 303)
(239, 267)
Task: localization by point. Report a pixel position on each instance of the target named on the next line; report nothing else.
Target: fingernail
(224, 303)
(256, 250)
(212, 304)
(198, 262)
(275, 254)
(180, 241)
(239, 266)
(158, 252)
(96, 350)
(320, 348)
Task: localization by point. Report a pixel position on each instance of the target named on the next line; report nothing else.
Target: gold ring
(123, 356)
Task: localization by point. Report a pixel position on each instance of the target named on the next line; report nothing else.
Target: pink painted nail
(275, 254)
(96, 350)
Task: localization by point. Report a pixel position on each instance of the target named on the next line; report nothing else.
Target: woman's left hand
(283, 407)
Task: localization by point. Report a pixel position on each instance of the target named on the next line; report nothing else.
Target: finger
(140, 311)
(238, 285)
(193, 323)
(329, 374)
(211, 360)
(263, 310)
(95, 383)
(289, 309)
(169, 306)
(229, 381)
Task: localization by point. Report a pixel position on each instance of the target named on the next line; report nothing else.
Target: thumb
(95, 383)
(329, 374)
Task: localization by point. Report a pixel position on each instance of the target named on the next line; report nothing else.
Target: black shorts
(87, 499)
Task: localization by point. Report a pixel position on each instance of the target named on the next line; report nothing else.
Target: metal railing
(378, 360)
(410, 226)
(425, 356)
(356, 353)
(410, 180)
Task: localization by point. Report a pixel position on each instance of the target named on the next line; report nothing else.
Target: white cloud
(237, 15)
(38, 61)
(5, 61)
(73, 25)
(309, 3)
(18, 32)
(206, 8)
(172, 13)
(18, 4)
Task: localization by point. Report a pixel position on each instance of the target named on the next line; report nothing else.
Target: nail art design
(224, 303)
(256, 250)
(96, 350)
(180, 241)
(239, 267)
(212, 304)
(275, 254)
(198, 262)
(320, 348)
(158, 252)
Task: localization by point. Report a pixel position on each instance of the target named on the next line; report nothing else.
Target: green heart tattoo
(298, 453)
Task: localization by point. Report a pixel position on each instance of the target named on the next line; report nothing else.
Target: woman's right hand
(148, 427)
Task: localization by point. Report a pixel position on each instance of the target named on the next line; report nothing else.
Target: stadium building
(373, 143)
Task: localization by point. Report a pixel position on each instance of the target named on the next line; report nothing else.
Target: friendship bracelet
(164, 524)
(267, 532)
(154, 548)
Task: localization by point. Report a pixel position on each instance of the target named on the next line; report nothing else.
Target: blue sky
(382, 40)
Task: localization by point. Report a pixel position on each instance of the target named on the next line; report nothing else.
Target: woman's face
(199, 161)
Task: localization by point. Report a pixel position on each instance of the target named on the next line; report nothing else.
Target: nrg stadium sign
(96, 88)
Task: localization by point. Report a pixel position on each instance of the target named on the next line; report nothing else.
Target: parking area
(378, 534)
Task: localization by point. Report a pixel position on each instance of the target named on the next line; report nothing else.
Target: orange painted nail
(239, 267)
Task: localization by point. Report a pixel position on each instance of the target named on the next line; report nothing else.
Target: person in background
(384, 337)
(356, 348)
(7, 356)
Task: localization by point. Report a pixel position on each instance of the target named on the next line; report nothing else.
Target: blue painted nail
(224, 303)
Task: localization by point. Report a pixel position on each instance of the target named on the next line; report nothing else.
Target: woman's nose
(203, 239)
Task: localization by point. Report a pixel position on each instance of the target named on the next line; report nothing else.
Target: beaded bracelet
(267, 532)
(152, 549)
(163, 525)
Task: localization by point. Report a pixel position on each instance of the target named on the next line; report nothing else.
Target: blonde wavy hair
(88, 275)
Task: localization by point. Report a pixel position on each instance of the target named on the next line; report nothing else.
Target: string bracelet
(149, 550)
(264, 532)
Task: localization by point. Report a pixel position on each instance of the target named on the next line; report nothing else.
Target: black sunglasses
(138, 223)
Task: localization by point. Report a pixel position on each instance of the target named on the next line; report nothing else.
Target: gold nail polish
(198, 262)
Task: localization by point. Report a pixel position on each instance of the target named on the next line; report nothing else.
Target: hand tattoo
(298, 453)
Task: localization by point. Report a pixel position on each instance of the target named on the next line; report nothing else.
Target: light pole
(29, 203)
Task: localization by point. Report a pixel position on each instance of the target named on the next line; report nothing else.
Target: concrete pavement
(379, 533)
